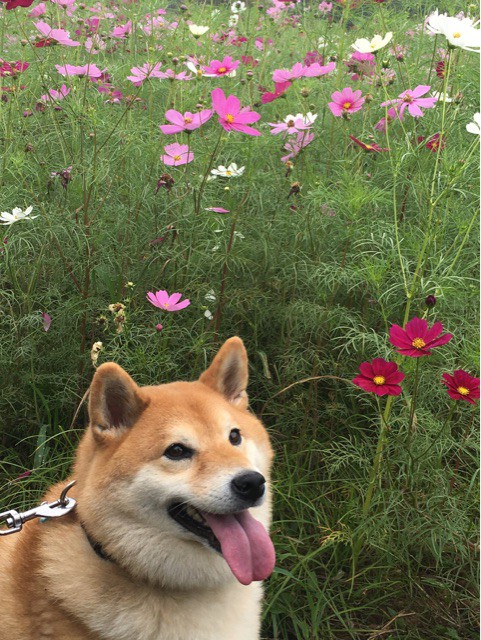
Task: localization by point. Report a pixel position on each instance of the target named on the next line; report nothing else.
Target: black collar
(96, 546)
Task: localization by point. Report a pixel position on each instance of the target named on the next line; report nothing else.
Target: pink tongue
(245, 545)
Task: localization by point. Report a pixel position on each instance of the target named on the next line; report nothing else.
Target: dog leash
(14, 520)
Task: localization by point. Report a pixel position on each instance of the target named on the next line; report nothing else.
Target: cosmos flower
(53, 94)
(177, 154)
(238, 7)
(187, 122)
(368, 147)
(231, 116)
(380, 377)
(197, 30)
(225, 67)
(122, 30)
(290, 125)
(299, 70)
(280, 89)
(90, 70)
(412, 101)
(46, 320)
(59, 35)
(459, 32)
(434, 143)
(13, 4)
(294, 146)
(232, 171)
(162, 300)
(148, 70)
(363, 45)
(417, 339)
(475, 126)
(346, 101)
(462, 386)
(16, 215)
(217, 209)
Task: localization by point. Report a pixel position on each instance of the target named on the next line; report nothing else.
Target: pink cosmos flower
(122, 30)
(60, 35)
(47, 321)
(225, 67)
(231, 116)
(177, 154)
(37, 11)
(187, 122)
(417, 339)
(300, 71)
(325, 7)
(148, 70)
(383, 122)
(280, 89)
(217, 209)
(462, 386)
(380, 377)
(295, 146)
(114, 95)
(53, 94)
(162, 300)
(411, 99)
(346, 101)
(169, 74)
(90, 70)
(289, 127)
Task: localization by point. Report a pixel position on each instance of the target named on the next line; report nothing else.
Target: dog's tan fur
(164, 584)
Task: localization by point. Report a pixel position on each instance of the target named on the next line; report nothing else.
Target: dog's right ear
(115, 402)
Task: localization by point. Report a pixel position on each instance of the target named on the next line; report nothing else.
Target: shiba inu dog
(168, 539)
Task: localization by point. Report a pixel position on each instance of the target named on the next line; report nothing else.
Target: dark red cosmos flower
(313, 56)
(462, 386)
(440, 69)
(368, 147)
(12, 4)
(12, 68)
(417, 339)
(380, 377)
(434, 143)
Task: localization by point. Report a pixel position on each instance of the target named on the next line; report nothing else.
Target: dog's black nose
(249, 485)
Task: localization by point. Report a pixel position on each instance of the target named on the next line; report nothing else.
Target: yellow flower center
(463, 391)
(368, 146)
(199, 72)
(418, 343)
(187, 120)
(408, 98)
(379, 380)
(230, 119)
(347, 105)
(177, 157)
(222, 70)
(456, 35)
(228, 173)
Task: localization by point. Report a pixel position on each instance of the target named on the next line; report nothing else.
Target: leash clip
(14, 520)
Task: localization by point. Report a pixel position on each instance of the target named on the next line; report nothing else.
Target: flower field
(305, 176)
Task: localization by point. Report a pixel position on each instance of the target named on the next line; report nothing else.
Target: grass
(311, 281)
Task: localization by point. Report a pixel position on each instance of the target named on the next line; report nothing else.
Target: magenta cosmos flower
(462, 386)
(279, 90)
(231, 116)
(177, 154)
(162, 300)
(412, 101)
(380, 377)
(346, 101)
(417, 339)
(225, 67)
(187, 122)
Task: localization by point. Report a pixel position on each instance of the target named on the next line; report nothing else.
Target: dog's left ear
(228, 372)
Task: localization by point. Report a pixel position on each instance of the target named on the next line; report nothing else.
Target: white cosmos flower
(442, 97)
(232, 171)
(210, 296)
(192, 67)
(16, 215)
(363, 45)
(238, 7)
(196, 30)
(233, 20)
(309, 118)
(459, 32)
(475, 127)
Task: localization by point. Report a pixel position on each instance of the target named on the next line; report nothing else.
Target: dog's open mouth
(193, 520)
(240, 538)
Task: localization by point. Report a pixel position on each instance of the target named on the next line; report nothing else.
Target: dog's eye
(178, 452)
(235, 437)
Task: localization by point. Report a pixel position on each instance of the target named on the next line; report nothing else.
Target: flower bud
(305, 92)
(430, 301)
(368, 98)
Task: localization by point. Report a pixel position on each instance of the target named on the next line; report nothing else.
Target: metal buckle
(15, 520)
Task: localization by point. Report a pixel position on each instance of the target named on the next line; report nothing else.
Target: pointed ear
(228, 372)
(115, 402)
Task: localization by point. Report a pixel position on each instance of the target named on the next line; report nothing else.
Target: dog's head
(173, 480)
